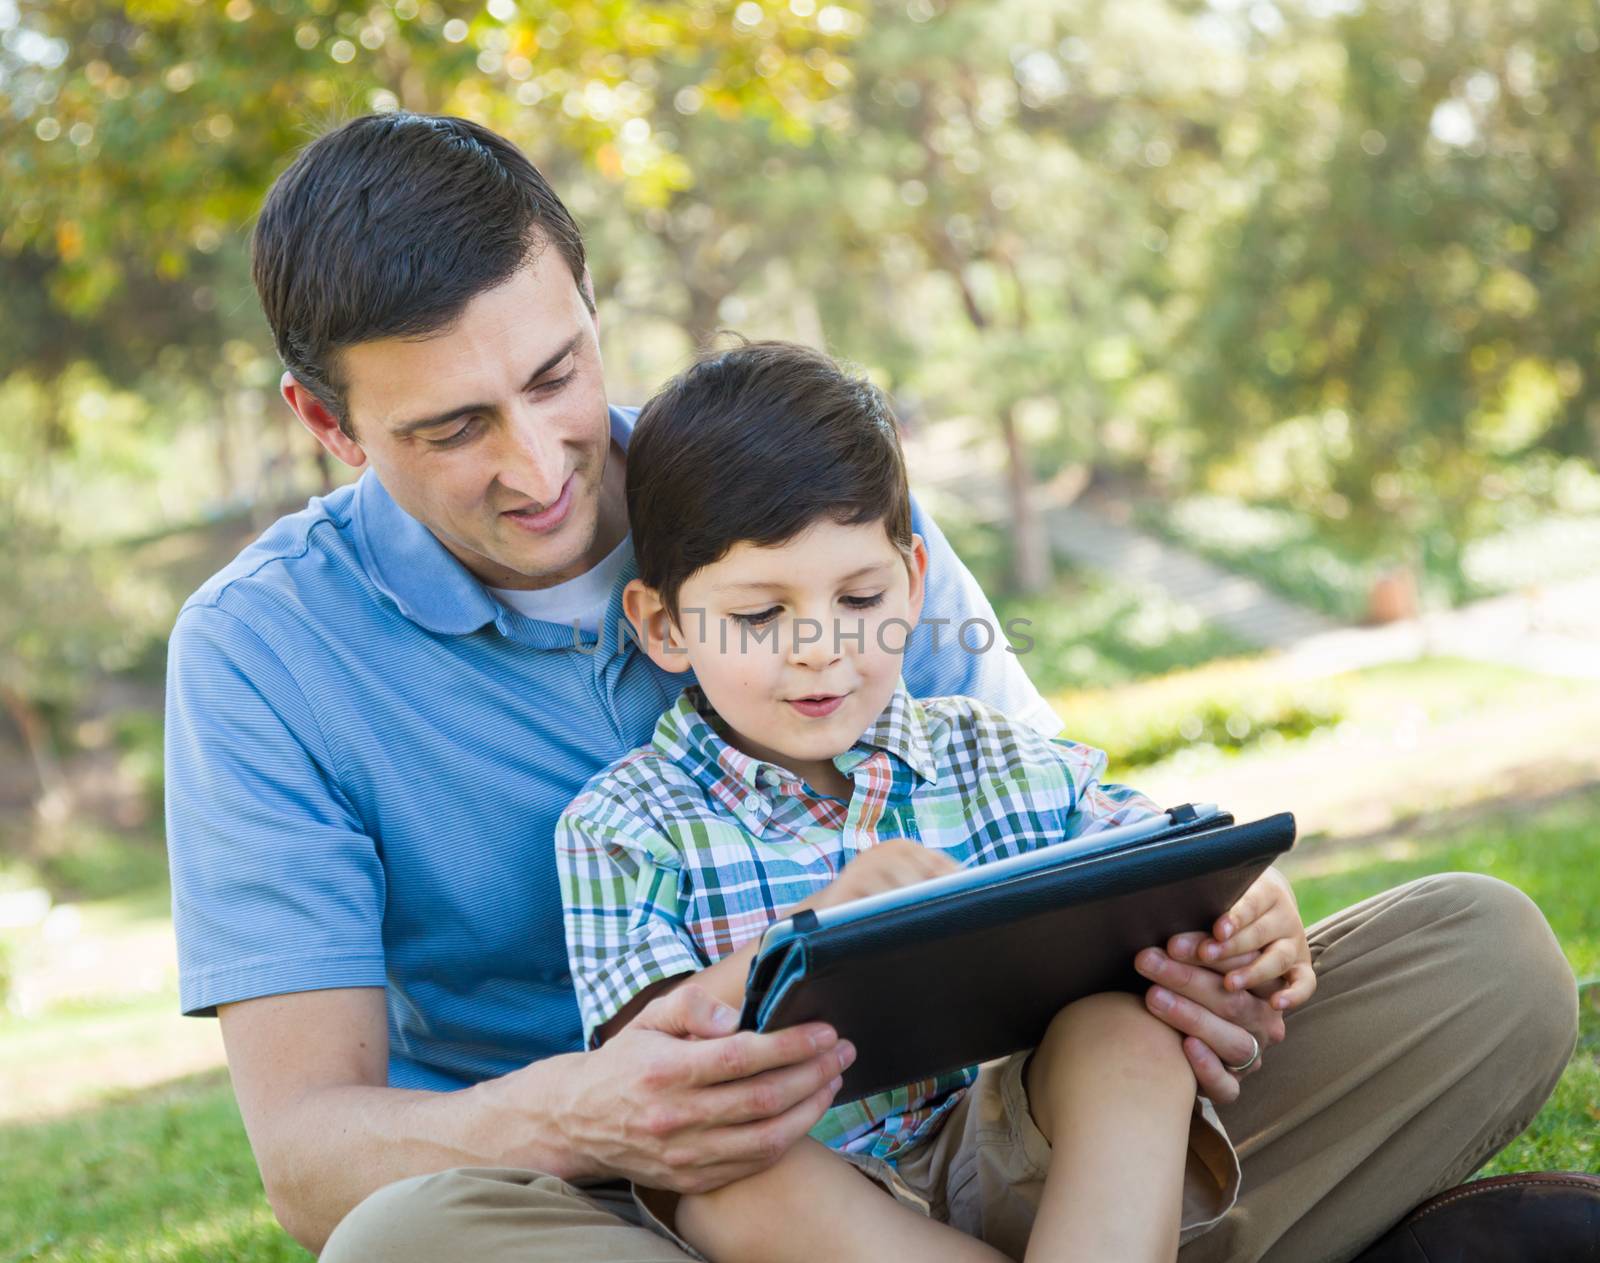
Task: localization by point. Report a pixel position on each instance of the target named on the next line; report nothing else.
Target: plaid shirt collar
(749, 787)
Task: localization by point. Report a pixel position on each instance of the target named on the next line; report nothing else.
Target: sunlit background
(1250, 350)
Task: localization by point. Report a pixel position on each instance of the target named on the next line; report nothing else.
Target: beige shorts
(984, 1171)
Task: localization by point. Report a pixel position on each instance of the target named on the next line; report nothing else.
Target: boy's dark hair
(387, 227)
(754, 445)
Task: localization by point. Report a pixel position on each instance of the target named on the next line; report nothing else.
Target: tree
(1004, 185)
(1402, 295)
(137, 139)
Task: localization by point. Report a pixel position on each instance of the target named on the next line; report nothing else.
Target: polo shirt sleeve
(619, 894)
(939, 664)
(275, 886)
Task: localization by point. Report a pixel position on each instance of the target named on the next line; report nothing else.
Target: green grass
(1552, 854)
(162, 1176)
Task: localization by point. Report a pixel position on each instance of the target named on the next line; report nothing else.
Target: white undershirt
(582, 600)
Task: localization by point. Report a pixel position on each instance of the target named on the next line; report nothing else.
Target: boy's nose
(814, 643)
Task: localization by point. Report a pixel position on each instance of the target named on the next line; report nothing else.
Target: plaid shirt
(683, 851)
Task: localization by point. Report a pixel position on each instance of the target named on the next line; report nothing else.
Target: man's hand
(1260, 945)
(887, 866)
(679, 1099)
(676, 1099)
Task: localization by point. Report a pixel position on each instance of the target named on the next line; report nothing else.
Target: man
(376, 713)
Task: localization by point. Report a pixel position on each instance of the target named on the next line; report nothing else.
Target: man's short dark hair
(755, 445)
(388, 226)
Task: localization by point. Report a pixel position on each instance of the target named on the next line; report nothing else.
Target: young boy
(768, 502)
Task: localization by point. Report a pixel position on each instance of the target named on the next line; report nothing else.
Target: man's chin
(546, 561)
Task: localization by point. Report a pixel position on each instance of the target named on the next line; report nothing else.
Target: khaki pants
(984, 1171)
(1444, 1015)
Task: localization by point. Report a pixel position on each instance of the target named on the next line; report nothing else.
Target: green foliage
(1298, 555)
(1228, 706)
(82, 859)
(144, 132)
(1281, 547)
(7, 971)
(138, 736)
(68, 610)
(1331, 261)
(1088, 631)
(1398, 264)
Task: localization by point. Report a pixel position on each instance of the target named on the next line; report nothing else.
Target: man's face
(797, 646)
(494, 432)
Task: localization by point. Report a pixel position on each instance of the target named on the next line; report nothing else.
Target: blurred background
(1248, 349)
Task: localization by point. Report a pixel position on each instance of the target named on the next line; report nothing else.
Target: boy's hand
(1259, 943)
(887, 866)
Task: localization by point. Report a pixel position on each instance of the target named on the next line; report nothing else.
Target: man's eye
(460, 436)
(863, 602)
(552, 384)
(756, 620)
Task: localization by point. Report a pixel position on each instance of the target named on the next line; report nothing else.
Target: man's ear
(658, 635)
(317, 417)
(917, 569)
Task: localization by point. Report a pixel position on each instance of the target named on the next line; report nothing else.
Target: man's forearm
(339, 1144)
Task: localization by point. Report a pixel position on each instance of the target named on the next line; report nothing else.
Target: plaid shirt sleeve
(1096, 805)
(619, 891)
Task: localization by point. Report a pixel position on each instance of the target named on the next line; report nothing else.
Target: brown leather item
(1537, 1217)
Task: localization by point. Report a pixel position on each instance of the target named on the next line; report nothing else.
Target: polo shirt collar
(408, 564)
(748, 786)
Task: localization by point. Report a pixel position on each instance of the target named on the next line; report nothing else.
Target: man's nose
(531, 459)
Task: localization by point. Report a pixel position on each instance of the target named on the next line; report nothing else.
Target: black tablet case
(967, 977)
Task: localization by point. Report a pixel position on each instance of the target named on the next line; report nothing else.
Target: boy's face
(797, 646)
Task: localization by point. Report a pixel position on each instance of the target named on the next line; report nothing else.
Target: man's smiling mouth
(548, 518)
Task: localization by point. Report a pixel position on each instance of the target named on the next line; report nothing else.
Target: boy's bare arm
(679, 1101)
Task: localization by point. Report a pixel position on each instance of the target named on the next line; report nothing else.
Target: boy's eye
(864, 602)
(756, 620)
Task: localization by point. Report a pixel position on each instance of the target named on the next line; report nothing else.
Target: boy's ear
(658, 635)
(917, 569)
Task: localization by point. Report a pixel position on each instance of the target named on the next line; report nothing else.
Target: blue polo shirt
(366, 758)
